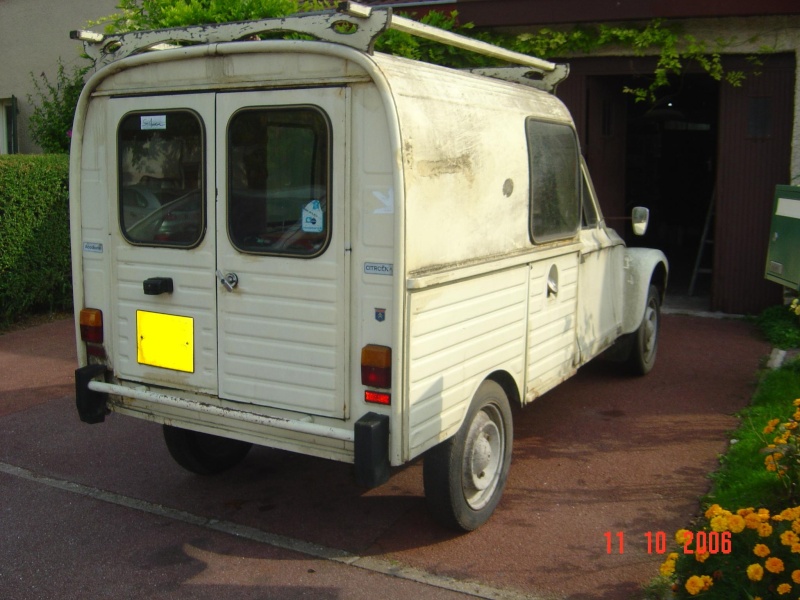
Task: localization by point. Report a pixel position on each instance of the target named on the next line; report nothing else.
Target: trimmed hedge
(35, 270)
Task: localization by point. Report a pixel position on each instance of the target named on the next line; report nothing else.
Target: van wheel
(645, 339)
(464, 476)
(203, 453)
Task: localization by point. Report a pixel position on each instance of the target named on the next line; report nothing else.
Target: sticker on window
(312, 220)
(151, 122)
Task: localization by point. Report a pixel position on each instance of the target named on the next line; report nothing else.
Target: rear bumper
(368, 440)
(92, 404)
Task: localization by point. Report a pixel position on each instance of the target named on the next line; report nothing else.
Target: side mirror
(640, 218)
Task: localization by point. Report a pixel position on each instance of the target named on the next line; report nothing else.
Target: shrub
(780, 326)
(35, 270)
(54, 108)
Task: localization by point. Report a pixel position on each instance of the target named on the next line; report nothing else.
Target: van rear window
(161, 194)
(555, 186)
(278, 181)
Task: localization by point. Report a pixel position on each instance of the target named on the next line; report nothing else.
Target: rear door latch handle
(229, 280)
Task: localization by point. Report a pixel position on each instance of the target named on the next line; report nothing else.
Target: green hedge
(35, 274)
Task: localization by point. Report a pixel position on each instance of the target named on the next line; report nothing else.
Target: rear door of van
(229, 245)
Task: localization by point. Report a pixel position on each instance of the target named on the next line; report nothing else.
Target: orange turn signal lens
(91, 321)
(376, 366)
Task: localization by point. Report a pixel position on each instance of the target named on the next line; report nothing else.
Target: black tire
(459, 495)
(645, 339)
(203, 453)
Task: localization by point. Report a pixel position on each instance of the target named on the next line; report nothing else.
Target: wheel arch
(643, 267)
(506, 381)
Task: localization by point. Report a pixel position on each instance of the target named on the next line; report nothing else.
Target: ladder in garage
(706, 240)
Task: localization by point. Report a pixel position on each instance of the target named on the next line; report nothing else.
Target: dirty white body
(430, 230)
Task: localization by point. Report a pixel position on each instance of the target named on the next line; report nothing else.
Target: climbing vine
(673, 50)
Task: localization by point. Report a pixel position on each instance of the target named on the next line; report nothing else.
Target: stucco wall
(33, 35)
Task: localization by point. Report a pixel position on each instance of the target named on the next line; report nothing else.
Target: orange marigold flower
(719, 523)
(784, 588)
(752, 520)
(765, 530)
(771, 425)
(796, 548)
(714, 510)
(755, 572)
(736, 524)
(796, 402)
(796, 575)
(694, 585)
(761, 550)
(682, 535)
(774, 564)
(789, 538)
(701, 558)
(667, 568)
(796, 526)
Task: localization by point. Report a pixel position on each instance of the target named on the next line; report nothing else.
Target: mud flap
(372, 450)
(91, 405)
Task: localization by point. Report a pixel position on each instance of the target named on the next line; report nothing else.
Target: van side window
(278, 181)
(160, 161)
(555, 183)
(590, 210)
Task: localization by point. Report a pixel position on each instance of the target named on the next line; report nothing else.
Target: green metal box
(783, 254)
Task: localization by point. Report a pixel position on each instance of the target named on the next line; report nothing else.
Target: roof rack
(350, 24)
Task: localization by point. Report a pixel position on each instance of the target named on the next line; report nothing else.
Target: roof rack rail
(350, 24)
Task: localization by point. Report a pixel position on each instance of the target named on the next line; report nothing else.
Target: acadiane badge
(380, 315)
(312, 220)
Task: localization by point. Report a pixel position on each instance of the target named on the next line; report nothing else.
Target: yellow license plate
(165, 341)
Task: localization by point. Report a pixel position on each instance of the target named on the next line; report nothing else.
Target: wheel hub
(481, 467)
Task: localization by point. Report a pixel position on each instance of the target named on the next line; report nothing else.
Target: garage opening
(670, 167)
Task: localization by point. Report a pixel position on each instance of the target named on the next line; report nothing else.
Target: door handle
(229, 280)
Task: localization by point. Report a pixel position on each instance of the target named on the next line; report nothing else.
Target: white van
(314, 247)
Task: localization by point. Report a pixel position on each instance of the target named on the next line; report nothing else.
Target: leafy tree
(141, 15)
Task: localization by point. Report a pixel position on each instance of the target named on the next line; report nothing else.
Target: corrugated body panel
(754, 153)
(458, 334)
(281, 339)
(194, 297)
(551, 323)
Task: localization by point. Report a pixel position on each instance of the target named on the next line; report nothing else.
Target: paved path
(103, 512)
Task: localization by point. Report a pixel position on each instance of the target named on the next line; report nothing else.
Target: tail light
(376, 372)
(91, 322)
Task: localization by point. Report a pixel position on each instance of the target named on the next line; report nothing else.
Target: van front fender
(642, 267)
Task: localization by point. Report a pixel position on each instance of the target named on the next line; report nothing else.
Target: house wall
(34, 34)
